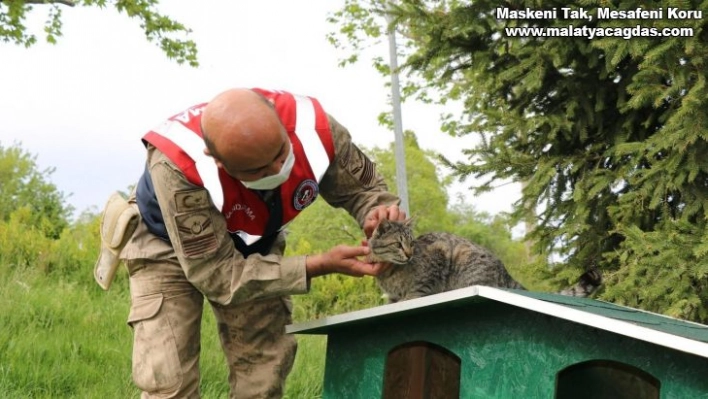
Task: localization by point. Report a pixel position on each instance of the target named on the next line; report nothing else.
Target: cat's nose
(408, 252)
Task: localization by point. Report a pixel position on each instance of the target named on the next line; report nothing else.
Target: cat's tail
(587, 284)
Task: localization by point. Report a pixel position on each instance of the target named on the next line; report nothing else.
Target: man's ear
(218, 163)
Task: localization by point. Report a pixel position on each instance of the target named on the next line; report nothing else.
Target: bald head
(243, 133)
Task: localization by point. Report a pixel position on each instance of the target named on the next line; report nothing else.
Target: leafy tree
(24, 186)
(607, 134)
(168, 33)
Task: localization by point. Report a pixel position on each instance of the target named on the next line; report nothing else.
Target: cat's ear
(410, 222)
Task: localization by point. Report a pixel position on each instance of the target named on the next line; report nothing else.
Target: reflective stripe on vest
(193, 145)
(206, 170)
(311, 143)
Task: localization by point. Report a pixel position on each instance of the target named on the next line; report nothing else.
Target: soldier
(207, 220)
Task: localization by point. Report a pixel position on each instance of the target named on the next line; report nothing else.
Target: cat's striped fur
(439, 262)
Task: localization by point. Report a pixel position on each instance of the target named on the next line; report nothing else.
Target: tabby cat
(439, 262)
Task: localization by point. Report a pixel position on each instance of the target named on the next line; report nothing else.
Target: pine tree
(608, 134)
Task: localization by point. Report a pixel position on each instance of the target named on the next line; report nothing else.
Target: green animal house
(483, 342)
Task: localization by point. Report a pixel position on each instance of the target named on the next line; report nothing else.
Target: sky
(82, 105)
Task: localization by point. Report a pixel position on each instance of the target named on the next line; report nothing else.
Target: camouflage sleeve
(201, 242)
(351, 181)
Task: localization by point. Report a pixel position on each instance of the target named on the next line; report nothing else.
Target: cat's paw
(389, 298)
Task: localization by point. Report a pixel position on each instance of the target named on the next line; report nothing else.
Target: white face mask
(273, 181)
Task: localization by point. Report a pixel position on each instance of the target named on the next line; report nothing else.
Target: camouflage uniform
(249, 296)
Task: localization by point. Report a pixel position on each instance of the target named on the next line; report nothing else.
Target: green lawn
(70, 340)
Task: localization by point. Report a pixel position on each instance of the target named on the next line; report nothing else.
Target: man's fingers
(372, 269)
(372, 215)
(365, 269)
(347, 251)
(373, 218)
(393, 212)
(377, 269)
(383, 266)
(396, 213)
(381, 213)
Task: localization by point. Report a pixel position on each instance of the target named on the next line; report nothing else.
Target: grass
(61, 339)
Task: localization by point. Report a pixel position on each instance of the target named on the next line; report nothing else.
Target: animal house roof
(638, 324)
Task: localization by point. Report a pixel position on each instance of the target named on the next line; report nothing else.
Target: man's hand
(342, 259)
(381, 212)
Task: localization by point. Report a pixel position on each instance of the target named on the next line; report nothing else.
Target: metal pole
(401, 179)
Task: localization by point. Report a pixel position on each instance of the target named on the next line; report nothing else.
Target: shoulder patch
(305, 194)
(190, 200)
(359, 165)
(196, 233)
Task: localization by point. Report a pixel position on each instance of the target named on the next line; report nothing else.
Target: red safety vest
(180, 139)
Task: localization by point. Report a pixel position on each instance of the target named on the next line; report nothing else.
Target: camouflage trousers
(165, 315)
